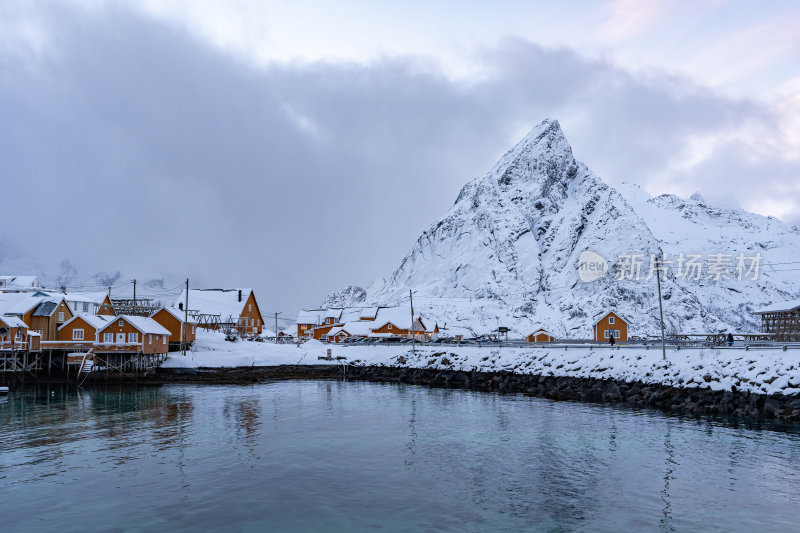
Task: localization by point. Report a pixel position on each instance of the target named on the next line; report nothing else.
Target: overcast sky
(299, 148)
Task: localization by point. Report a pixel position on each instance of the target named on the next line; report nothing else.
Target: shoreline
(686, 400)
(693, 401)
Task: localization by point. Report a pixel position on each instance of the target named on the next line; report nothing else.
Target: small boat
(3, 390)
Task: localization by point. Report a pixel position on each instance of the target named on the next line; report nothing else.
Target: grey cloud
(136, 147)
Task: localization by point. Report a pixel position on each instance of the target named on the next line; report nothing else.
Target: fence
(592, 345)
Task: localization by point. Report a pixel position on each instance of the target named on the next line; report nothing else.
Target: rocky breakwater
(688, 400)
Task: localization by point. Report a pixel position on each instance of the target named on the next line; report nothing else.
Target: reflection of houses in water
(411, 447)
(106, 413)
(170, 423)
(246, 416)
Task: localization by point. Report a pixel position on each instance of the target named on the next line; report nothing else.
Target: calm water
(332, 456)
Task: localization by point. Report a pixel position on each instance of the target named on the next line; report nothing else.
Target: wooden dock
(75, 360)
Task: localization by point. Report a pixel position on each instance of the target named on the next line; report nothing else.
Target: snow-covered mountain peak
(507, 251)
(697, 197)
(542, 161)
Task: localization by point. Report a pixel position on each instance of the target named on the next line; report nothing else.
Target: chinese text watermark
(715, 267)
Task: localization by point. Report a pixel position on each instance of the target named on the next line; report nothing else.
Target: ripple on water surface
(321, 455)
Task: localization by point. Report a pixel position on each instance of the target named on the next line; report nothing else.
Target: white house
(19, 284)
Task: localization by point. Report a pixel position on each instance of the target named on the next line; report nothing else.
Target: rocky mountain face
(507, 253)
(350, 296)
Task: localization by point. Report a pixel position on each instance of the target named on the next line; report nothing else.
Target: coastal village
(77, 333)
(369, 266)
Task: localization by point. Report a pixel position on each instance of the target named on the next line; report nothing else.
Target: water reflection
(669, 476)
(560, 480)
(329, 396)
(355, 456)
(411, 447)
(245, 416)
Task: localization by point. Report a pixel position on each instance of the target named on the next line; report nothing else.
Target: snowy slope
(506, 253)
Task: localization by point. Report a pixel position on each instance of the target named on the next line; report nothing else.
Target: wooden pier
(75, 360)
(24, 357)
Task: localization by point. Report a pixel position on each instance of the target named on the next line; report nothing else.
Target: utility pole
(185, 317)
(661, 308)
(276, 328)
(134, 294)
(413, 337)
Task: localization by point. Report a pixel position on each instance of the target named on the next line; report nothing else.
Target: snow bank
(212, 350)
(756, 370)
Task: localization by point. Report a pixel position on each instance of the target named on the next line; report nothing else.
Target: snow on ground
(762, 370)
(212, 350)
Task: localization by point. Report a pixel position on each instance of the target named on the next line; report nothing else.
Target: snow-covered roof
(399, 316)
(19, 304)
(13, 322)
(89, 297)
(369, 312)
(349, 314)
(542, 330)
(359, 328)
(177, 313)
(46, 308)
(222, 302)
(338, 314)
(19, 282)
(311, 316)
(11, 301)
(335, 330)
(96, 321)
(780, 307)
(334, 313)
(602, 315)
(143, 323)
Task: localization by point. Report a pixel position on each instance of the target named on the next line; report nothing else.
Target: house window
(108, 337)
(61, 316)
(149, 339)
(85, 307)
(611, 320)
(389, 326)
(249, 307)
(133, 337)
(192, 329)
(252, 322)
(77, 334)
(120, 323)
(76, 306)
